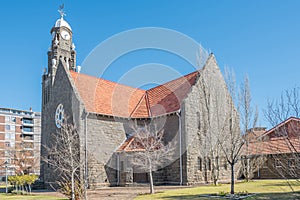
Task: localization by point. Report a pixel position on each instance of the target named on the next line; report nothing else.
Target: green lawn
(27, 197)
(266, 189)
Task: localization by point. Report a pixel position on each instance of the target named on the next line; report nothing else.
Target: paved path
(114, 193)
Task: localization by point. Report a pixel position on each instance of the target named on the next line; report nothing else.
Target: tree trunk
(248, 169)
(232, 179)
(215, 181)
(151, 182)
(215, 172)
(72, 186)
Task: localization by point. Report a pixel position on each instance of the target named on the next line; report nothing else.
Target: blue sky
(260, 38)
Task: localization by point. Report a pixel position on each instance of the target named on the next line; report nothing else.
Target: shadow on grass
(266, 196)
(283, 184)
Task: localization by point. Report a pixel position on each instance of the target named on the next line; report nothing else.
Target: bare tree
(24, 161)
(63, 155)
(286, 106)
(247, 117)
(233, 142)
(211, 129)
(150, 150)
(278, 111)
(248, 120)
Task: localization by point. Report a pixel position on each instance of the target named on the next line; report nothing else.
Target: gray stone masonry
(105, 134)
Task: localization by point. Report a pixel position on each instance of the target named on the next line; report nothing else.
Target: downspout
(86, 156)
(118, 169)
(180, 148)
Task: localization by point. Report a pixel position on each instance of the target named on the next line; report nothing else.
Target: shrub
(19, 192)
(21, 181)
(66, 188)
(222, 193)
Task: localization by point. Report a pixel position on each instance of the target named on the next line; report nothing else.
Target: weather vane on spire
(61, 11)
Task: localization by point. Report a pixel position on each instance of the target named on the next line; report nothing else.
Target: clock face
(59, 116)
(65, 35)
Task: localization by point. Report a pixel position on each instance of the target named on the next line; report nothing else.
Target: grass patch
(267, 189)
(28, 197)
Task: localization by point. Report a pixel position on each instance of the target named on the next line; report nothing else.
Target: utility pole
(6, 189)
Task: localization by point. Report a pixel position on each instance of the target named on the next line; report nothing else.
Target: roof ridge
(102, 79)
(137, 105)
(279, 125)
(197, 71)
(148, 104)
(129, 143)
(77, 74)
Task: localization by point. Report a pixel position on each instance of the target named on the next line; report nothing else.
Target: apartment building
(20, 136)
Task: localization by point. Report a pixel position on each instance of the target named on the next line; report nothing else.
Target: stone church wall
(61, 93)
(105, 135)
(199, 139)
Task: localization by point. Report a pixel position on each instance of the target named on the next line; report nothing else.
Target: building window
(28, 129)
(217, 162)
(6, 153)
(49, 158)
(46, 93)
(13, 119)
(208, 164)
(12, 136)
(122, 166)
(12, 143)
(198, 121)
(27, 137)
(7, 144)
(27, 121)
(10, 127)
(277, 163)
(291, 162)
(7, 118)
(266, 164)
(7, 127)
(225, 164)
(199, 164)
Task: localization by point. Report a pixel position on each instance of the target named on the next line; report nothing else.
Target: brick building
(281, 148)
(103, 111)
(20, 137)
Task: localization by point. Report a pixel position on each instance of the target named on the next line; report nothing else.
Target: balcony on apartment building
(27, 138)
(27, 122)
(27, 130)
(27, 145)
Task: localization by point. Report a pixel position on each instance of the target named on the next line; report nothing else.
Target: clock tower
(62, 46)
(62, 49)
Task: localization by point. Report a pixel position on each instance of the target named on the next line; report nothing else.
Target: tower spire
(61, 11)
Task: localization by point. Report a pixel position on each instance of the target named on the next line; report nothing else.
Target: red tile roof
(275, 146)
(285, 124)
(110, 98)
(283, 138)
(168, 97)
(130, 145)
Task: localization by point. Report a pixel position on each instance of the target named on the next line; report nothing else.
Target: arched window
(199, 164)
(198, 121)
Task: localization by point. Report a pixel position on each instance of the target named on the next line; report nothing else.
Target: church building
(189, 109)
